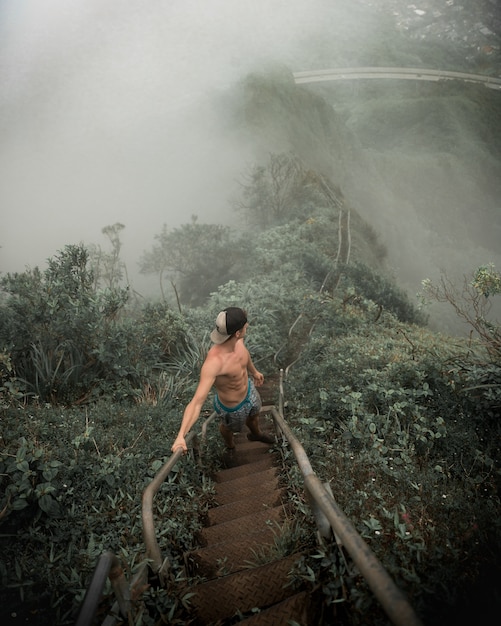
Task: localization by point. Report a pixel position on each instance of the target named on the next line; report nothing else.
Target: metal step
(220, 559)
(222, 598)
(249, 480)
(237, 457)
(298, 609)
(241, 526)
(244, 469)
(242, 440)
(257, 502)
(253, 490)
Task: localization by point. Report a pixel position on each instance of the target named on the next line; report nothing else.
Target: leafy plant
(28, 478)
(472, 303)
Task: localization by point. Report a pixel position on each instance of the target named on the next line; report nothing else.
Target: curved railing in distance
(403, 73)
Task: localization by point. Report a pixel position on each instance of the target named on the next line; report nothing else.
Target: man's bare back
(232, 363)
(227, 368)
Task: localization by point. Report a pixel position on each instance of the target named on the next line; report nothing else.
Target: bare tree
(271, 192)
(109, 270)
(472, 303)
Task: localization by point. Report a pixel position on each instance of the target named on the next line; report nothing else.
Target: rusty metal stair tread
(235, 458)
(296, 608)
(242, 591)
(230, 556)
(250, 450)
(229, 495)
(239, 508)
(245, 441)
(260, 464)
(247, 480)
(241, 525)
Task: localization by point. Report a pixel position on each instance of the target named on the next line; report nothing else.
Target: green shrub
(384, 292)
(71, 482)
(65, 342)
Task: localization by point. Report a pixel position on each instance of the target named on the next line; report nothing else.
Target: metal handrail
(108, 566)
(158, 565)
(393, 601)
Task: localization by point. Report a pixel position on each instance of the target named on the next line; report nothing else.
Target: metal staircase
(238, 575)
(240, 533)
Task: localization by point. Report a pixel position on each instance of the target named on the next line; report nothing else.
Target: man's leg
(227, 434)
(252, 422)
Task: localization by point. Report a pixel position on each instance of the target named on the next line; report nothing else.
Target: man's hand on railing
(179, 443)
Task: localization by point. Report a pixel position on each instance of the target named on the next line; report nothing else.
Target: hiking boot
(261, 437)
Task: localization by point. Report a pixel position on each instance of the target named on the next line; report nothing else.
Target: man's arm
(193, 408)
(251, 368)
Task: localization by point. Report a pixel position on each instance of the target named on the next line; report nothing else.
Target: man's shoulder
(214, 359)
(214, 352)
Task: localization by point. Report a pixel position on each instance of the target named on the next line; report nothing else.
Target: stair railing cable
(392, 599)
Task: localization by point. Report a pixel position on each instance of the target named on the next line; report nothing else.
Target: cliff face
(433, 173)
(419, 162)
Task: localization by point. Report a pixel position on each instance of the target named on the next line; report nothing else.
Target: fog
(109, 113)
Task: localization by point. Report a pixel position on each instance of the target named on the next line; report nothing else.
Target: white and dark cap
(227, 323)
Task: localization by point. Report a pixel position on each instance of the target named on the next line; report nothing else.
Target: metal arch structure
(401, 73)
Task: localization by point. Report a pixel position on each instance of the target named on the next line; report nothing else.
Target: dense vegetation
(402, 422)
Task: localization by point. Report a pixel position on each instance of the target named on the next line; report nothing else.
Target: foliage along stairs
(241, 527)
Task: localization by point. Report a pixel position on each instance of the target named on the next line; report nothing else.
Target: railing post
(120, 587)
(281, 393)
(382, 585)
(108, 564)
(323, 525)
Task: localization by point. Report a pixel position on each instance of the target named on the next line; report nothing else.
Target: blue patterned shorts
(234, 417)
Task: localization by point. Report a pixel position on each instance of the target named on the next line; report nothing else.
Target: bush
(71, 482)
(65, 342)
(383, 292)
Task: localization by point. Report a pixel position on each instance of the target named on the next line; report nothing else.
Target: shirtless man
(227, 366)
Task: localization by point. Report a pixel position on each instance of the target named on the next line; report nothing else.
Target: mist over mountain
(419, 162)
(427, 176)
(113, 113)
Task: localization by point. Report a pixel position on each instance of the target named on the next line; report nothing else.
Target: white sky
(106, 113)
(109, 112)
